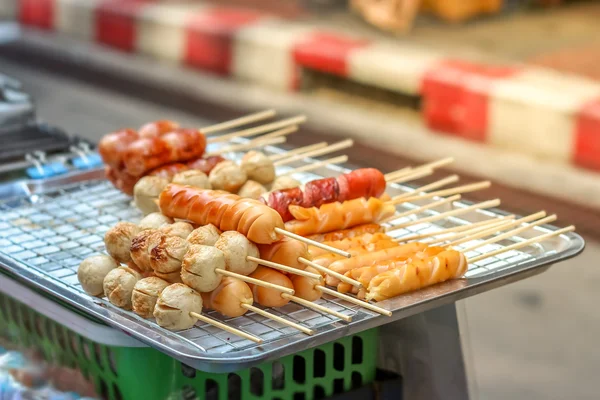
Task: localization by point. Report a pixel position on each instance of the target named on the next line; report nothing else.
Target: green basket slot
(145, 373)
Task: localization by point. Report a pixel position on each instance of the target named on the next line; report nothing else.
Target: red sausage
(157, 128)
(148, 153)
(112, 146)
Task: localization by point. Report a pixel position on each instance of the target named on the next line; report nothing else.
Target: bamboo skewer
(227, 328)
(344, 144)
(234, 123)
(299, 150)
(311, 242)
(249, 145)
(354, 300)
(458, 228)
(278, 319)
(446, 192)
(431, 186)
(430, 165)
(458, 211)
(280, 132)
(524, 243)
(494, 226)
(285, 268)
(412, 176)
(487, 231)
(327, 271)
(511, 233)
(318, 164)
(254, 281)
(422, 208)
(317, 307)
(258, 129)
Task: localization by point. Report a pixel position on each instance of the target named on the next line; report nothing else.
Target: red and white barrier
(517, 107)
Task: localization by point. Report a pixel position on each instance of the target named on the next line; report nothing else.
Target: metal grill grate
(54, 231)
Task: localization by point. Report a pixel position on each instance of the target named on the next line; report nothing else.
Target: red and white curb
(516, 107)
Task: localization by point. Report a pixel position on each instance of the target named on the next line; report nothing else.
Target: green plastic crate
(145, 373)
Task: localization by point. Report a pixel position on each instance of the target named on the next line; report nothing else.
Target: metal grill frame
(45, 253)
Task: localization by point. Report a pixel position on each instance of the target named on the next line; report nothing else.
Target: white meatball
(193, 177)
(146, 191)
(199, 266)
(181, 229)
(252, 189)
(236, 247)
(118, 286)
(155, 220)
(92, 271)
(167, 255)
(118, 240)
(171, 277)
(227, 176)
(258, 167)
(284, 182)
(141, 248)
(145, 294)
(174, 306)
(206, 235)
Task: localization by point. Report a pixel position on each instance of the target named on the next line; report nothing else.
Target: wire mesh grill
(54, 231)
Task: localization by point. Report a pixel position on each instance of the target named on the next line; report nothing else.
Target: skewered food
(155, 220)
(118, 286)
(92, 271)
(284, 182)
(206, 235)
(179, 145)
(251, 218)
(326, 260)
(120, 179)
(236, 249)
(171, 277)
(118, 240)
(366, 259)
(286, 251)
(141, 247)
(179, 228)
(258, 167)
(199, 266)
(346, 233)
(334, 216)
(228, 297)
(157, 128)
(252, 190)
(418, 274)
(192, 177)
(146, 191)
(360, 183)
(167, 255)
(268, 297)
(205, 164)
(112, 146)
(306, 287)
(145, 294)
(348, 243)
(365, 274)
(168, 171)
(174, 307)
(227, 176)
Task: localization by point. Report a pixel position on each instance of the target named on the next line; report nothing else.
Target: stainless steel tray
(48, 227)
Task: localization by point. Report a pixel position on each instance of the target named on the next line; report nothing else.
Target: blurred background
(507, 87)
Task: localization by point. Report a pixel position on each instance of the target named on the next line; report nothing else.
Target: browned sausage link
(148, 153)
(254, 220)
(121, 180)
(113, 145)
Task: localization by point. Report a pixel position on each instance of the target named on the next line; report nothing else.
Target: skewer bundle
(330, 236)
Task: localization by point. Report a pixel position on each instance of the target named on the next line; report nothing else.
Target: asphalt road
(535, 339)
